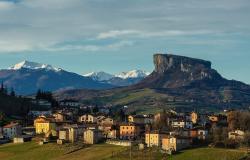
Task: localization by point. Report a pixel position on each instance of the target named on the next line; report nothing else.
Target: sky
(120, 35)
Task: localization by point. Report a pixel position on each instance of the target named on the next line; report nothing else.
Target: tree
(162, 122)
(95, 109)
(2, 87)
(238, 120)
(38, 94)
(12, 93)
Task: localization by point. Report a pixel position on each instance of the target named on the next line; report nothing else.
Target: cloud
(150, 34)
(35, 25)
(91, 47)
(116, 33)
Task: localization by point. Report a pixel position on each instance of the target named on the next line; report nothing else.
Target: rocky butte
(173, 71)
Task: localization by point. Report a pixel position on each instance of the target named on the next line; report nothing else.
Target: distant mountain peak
(33, 65)
(99, 76)
(103, 76)
(133, 74)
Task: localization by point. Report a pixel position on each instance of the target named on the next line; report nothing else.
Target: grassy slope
(209, 154)
(142, 100)
(99, 151)
(32, 151)
(192, 154)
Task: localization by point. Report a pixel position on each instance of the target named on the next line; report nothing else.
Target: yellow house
(44, 125)
(154, 138)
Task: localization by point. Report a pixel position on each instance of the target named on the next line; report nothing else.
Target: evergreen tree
(2, 87)
(38, 94)
(12, 93)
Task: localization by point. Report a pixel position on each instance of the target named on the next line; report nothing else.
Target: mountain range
(27, 77)
(121, 79)
(177, 82)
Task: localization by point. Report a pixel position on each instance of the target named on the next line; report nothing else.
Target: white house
(87, 118)
(182, 124)
(237, 134)
(69, 103)
(202, 134)
(92, 136)
(40, 113)
(12, 130)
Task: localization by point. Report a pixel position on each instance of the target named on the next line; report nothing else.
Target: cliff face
(165, 62)
(173, 71)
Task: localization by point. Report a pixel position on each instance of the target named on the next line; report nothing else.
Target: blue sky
(113, 36)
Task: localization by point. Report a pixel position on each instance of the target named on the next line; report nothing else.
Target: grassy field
(209, 154)
(192, 154)
(32, 151)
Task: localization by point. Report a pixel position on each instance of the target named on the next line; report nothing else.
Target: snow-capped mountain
(133, 74)
(33, 65)
(121, 79)
(99, 76)
(27, 77)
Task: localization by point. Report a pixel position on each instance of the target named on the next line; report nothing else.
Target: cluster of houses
(179, 130)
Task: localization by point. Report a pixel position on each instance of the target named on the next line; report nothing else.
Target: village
(167, 130)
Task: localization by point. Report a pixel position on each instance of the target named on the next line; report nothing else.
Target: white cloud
(91, 48)
(116, 33)
(31, 25)
(150, 34)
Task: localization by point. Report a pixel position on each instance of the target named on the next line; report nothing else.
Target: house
(44, 125)
(107, 121)
(180, 132)
(87, 118)
(29, 131)
(11, 130)
(236, 135)
(213, 118)
(130, 131)
(92, 136)
(194, 117)
(113, 133)
(202, 134)
(69, 103)
(182, 124)
(140, 119)
(68, 134)
(175, 143)
(1, 133)
(40, 113)
(99, 119)
(193, 133)
(154, 138)
(42, 102)
(59, 117)
(22, 139)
